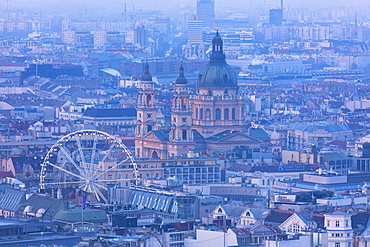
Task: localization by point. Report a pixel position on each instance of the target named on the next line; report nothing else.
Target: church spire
(146, 76)
(181, 79)
(181, 70)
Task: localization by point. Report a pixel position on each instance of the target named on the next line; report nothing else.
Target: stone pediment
(150, 136)
(241, 137)
(156, 135)
(247, 213)
(218, 210)
(302, 220)
(233, 137)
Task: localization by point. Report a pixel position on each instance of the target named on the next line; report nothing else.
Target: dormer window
(248, 214)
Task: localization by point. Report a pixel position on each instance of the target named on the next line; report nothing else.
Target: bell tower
(181, 117)
(181, 111)
(146, 108)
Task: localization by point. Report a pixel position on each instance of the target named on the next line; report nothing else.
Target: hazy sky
(104, 7)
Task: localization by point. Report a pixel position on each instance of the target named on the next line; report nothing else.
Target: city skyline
(185, 124)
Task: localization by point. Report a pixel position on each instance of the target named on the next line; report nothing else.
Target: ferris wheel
(89, 161)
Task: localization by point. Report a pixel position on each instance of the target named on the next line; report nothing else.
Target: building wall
(212, 238)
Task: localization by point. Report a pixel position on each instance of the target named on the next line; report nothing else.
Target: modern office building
(206, 12)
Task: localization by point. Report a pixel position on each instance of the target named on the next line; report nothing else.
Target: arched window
(208, 114)
(173, 134)
(218, 114)
(201, 113)
(149, 101)
(233, 114)
(183, 104)
(210, 92)
(226, 93)
(174, 103)
(184, 135)
(196, 113)
(150, 128)
(155, 155)
(226, 114)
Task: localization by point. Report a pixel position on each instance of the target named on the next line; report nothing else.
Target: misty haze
(185, 123)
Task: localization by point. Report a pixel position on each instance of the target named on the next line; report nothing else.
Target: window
(294, 228)
(177, 245)
(347, 223)
(218, 114)
(176, 237)
(349, 244)
(183, 104)
(196, 113)
(208, 114)
(226, 114)
(337, 223)
(337, 245)
(149, 100)
(328, 223)
(233, 114)
(201, 113)
(184, 135)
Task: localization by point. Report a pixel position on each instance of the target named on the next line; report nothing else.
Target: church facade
(211, 120)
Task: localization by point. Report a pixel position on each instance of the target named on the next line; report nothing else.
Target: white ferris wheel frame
(84, 174)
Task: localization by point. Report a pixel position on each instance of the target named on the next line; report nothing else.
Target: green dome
(265, 80)
(217, 73)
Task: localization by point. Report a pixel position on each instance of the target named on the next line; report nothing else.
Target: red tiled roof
(7, 174)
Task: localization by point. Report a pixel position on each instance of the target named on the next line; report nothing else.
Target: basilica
(209, 121)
